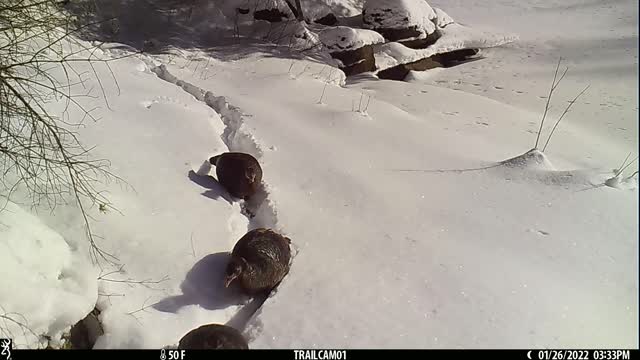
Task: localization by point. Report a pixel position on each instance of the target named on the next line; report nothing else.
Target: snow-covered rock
(400, 19)
(278, 10)
(454, 37)
(270, 10)
(343, 38)
(353, 47)
(258, 5)
(314, 10)
(442, 18)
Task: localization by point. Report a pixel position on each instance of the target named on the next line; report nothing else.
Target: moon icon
(529, 354)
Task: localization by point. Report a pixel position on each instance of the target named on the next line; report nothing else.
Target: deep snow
(396, 244)
(46, 285)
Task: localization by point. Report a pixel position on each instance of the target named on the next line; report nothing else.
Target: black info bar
(329, 354)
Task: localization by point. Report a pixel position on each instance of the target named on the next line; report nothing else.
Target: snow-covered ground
(516, 254)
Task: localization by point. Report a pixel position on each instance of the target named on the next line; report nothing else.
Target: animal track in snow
(538, 232)
(260, 210)
(162, 100)
(148, 103)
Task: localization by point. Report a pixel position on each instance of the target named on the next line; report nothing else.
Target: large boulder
(318, 11)
(269, 10)
(328, 20)
(413, 23)
(353, 47)
(400, 19)
(315, 11)
(270, 15)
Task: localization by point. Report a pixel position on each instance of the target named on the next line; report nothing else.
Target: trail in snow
(260, 210)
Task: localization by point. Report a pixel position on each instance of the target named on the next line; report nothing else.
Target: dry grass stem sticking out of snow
(363, 104)
(324, 88)
(615, 180)
(566, 110)
(624, 166)
(39, 151)
(554, 84)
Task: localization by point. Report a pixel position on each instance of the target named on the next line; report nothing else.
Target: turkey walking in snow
(239, 173)
(213, 336)
(259, 261)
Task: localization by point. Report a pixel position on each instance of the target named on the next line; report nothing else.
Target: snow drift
(46, 285)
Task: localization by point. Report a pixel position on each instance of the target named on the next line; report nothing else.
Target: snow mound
(47, 286)
(622, 183)
(400, 14)
(345, 38)
(454, 37)
(532, 159)
(534, 166)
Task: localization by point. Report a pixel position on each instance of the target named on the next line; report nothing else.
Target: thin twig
(193, 250)
(623, 163)
(368, 101)
(632, 175)
(626, 166)
(142, 309)
(566, 110)
(554, 84)
(146, 283)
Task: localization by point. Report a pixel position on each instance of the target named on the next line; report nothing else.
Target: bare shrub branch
(146, 283)
(39, 151)
(12, 319)
(143, 308)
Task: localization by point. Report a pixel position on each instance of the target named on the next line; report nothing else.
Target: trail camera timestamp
(580, 355)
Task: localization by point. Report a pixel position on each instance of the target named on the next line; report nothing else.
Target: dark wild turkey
(213, 336)
(259, 261)
(239, 173)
